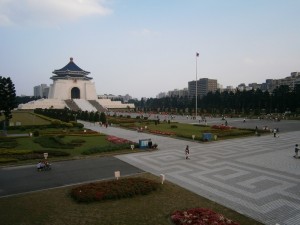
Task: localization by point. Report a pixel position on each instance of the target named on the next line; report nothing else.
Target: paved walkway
(256, 176)
(23, 179)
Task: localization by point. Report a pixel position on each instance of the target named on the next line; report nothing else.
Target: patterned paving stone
(255, 176)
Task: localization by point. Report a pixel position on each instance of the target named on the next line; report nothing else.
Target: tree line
(68, 115)
(256, 102)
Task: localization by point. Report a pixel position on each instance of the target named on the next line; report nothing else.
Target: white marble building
(71, 83)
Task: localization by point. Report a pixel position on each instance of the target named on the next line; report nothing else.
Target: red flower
(200, 216)
(117, 140)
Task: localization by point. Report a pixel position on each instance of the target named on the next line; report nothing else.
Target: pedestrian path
(256, 176)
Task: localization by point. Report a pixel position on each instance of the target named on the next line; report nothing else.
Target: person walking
(274, 132)
(296, 151)
(187, 152)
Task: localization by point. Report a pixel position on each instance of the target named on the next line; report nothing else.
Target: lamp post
(197, 55)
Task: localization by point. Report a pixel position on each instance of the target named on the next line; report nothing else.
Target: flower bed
(115, 189)
(161, 132)
(200, 216)
(117, 140)
(222, 127)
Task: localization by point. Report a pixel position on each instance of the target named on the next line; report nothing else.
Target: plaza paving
(256, 176)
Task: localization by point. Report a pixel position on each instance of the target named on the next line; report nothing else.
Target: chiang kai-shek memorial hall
(72, 82)
(73, 88)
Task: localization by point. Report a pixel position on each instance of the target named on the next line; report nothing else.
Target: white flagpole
(197, 54)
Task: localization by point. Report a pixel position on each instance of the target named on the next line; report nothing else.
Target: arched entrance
(75, 92)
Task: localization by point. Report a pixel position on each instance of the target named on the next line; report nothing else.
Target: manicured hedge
(114, 189)
(8, 160)
(55, 142)
(107, 148)
(14, 152)
(52, 153)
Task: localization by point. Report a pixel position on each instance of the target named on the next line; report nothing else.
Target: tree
(7, 97)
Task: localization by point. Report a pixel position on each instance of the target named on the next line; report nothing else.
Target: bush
(36, 133)
(54, 142)
(52, 153)
(115, 189)
(56, 122)
(108, 148)
(174, 126)
(14, 152)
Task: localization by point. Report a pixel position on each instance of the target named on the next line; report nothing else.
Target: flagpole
(197, 54)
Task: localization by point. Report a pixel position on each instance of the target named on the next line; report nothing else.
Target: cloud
(49, 12)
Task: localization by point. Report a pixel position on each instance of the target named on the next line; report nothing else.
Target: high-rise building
(204, 85)
(41, 91)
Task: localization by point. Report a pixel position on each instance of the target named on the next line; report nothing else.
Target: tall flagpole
(197, 55)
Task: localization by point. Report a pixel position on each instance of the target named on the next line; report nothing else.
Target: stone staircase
(99, 107)
(72, 105)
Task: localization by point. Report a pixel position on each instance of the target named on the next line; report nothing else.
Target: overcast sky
(143, 47)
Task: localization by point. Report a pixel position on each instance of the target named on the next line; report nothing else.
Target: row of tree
(282, 99)
(68, 115)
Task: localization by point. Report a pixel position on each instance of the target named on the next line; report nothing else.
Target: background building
(41, 91)
(204, 85)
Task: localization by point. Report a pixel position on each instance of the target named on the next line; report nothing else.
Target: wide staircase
(99, 107)
(84, 105)
(72, 105)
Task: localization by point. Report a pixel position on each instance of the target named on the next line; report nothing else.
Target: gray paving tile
(256, 176)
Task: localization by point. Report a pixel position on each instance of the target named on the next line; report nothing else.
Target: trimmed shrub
(36, 133)
(56, 122)
(54, 142)
(52, 153)
(108, 148)
(14, 152)
(114, 189)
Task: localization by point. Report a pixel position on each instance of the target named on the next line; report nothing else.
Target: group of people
(43, 165)
(151, 145)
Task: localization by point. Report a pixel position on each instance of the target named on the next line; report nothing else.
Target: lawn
(26, 118)
(86, 143)
(56, 207)
(187, 130)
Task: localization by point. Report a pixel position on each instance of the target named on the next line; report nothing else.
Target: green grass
(27, 118)
(24, 144)
(56, 207)
(187, 130)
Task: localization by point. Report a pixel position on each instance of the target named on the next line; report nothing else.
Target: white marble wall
(61, 89)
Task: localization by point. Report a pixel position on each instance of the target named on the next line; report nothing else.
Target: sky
(144, 47)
